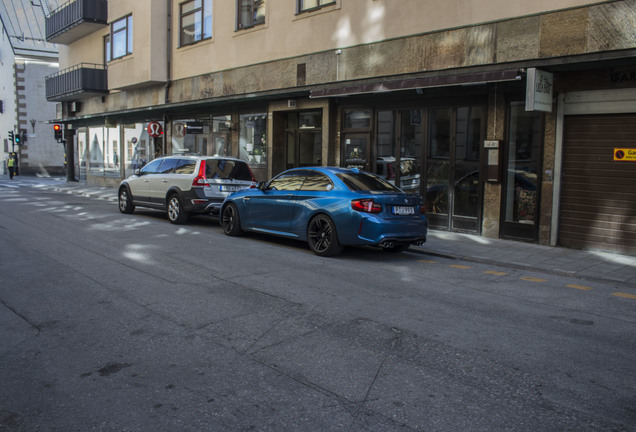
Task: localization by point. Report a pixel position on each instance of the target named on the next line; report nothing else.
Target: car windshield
(365, 182)
(227, 169)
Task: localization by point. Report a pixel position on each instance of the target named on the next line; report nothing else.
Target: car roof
(192, 156)
(327, 170)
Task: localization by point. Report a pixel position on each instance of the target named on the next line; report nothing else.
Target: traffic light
(11, 135)
(58, 132)
(18, 139)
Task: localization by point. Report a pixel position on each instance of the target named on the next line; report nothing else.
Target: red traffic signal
(58, 131)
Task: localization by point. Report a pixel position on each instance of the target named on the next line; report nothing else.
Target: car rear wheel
(176, 213)
(230, 220)
(322, 236)
(125, 201)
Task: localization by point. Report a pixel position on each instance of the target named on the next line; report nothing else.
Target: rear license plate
(225, 188)
(403, 210)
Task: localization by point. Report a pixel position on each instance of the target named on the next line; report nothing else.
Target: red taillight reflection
(366, 205)
(200, 179)
(423, 209)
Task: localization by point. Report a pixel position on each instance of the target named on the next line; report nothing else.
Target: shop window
(309, 5)
(522, 165)
(196, 21)
(357, 119)
(137, 149)
(250, 13)
(121, 38)
(104, 150)
(253, 138)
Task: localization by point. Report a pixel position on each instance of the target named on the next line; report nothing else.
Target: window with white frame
(121, 37)
(308, 5)
(196, 21)
(107, 49)
(250, 13)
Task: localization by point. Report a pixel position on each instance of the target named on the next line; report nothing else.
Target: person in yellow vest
(11, 165)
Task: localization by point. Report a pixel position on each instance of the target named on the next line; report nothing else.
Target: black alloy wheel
(176, 213)
(322, 236)
(125, 201)
(231, 221)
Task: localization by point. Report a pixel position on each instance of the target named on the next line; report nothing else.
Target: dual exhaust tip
(389, 244)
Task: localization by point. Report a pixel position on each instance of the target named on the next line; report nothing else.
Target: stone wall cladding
(603, 27)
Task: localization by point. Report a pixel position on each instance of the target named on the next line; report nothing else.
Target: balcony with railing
(77, 82)
(76, 19)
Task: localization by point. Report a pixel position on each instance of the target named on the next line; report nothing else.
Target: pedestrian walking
(11, 165)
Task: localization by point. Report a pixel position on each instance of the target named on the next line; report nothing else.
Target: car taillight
(366, 205)
(200, 179)
(254, 182)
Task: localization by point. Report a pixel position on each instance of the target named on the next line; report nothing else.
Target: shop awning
(419, 83)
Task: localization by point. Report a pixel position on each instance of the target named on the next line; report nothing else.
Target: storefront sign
(539, 88)
(155, 129)
(194, 128)
(625, 154)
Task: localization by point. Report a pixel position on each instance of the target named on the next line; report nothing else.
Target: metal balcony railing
(76, 19)
(77, 82)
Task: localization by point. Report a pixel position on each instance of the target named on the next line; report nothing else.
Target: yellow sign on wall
(625, 154)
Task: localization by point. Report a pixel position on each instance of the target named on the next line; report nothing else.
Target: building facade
(513, 120)
(26, 58)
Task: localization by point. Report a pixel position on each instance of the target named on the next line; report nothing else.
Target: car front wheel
(176, 213)
(125, 201)
(322, 236)
(230, 220)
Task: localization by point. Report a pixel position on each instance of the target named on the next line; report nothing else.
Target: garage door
(598, 194)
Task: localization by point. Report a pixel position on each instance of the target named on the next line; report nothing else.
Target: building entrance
(303, 139)
(453, 176)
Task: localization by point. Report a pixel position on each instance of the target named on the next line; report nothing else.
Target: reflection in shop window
(137, 147)
(221, 138)
(524, 155)
(359, 119)
(253, 138)
(104, 150)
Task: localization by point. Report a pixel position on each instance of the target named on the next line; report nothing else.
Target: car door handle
(165, 180)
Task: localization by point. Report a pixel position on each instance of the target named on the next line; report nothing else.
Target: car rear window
(365, 182)
(225, 169)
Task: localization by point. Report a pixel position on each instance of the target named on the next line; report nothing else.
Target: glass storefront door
(304, 139)
(454, 185)
(522, 170)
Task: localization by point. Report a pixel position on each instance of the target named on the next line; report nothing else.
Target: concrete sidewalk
(591, 265)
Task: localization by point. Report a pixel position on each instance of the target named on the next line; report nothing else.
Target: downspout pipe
(166, 135)
(168, 53)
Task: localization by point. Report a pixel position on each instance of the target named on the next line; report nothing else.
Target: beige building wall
(442, 30)
(346, 24)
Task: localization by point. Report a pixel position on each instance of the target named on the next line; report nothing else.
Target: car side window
(288, 181)
(152, 167)
(185, 166)
(316, 181)
(167, 166)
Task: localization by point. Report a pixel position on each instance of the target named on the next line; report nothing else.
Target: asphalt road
(112, 322)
